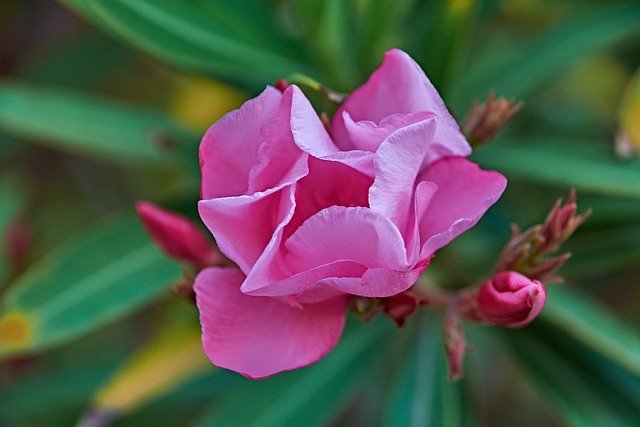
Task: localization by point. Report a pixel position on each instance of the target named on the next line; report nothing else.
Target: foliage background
(103, 102)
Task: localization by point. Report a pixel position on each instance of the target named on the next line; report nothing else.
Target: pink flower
(511, 299)
(312, 218)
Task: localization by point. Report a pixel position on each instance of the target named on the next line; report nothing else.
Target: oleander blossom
(313, 217)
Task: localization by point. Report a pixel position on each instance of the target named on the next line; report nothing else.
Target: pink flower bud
(511, 299)
(455, 345)
(17, 244)
(176, 236)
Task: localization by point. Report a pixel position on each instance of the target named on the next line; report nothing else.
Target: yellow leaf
(172, 357)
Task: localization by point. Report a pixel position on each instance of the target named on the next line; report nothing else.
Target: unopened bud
(18, 239)
(455, 345)
(177, 237)
(399, 307)
(511, 299)
(484, 121)
(281, 85)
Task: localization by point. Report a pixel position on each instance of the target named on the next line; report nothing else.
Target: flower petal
(397, 164)
(224, 172)
(261, 336)
(367, 135)
(464, 193)
(399, 86)
(308, 131)
(337, 233)
(279, 158)
(245, 226)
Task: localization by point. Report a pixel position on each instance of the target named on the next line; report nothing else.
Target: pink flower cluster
(313, 216)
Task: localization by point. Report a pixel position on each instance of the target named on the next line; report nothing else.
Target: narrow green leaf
(334, 27)
(533, 65)
(569, 384)
(584, 164)
(88, 125)
(11, 203)
(422, 394)
(93, 279)
(594, 326)
(306, 397)
(188, 35)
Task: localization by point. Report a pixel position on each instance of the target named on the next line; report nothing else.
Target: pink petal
(224, 172)
(178, 237)
(346, 233)
(336, 243)
(367, 135)
(245, 226)
(397, 164)
(308, 131)
(328, 183)
(279, 158)
(313, 285)
(261, 336)
(399, 86)
(464, 194)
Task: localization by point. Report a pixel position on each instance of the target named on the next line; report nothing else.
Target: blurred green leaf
(52, 398)
(310, 397)
(95, 278)
(584, 164)
(90, 125)
(188, 35)
(619, 243)
(172, 357)
(531, 66)
(570, 381)
(586, 321)
(59, 382)
(11, 203)
(422, 394)
(80, 62)
(379, 26)
(334, 27)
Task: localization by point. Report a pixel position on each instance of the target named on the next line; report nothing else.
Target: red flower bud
(511, 299)
(176, 236)
(400, 307)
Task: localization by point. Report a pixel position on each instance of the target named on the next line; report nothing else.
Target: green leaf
(187, 34)
(584, 164)
(309, 396)
(95, 278)
(89, 125)
(595, 327)
(11, 204)
(422, 394)
(531, 66)
(570, 381)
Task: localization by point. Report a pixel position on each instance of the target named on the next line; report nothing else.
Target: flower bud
(400, 307)
(176, 236)
(485, 120)
(511, 299)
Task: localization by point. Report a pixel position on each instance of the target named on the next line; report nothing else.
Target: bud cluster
(528, 252)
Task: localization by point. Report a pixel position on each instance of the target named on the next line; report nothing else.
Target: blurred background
(103, 103)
